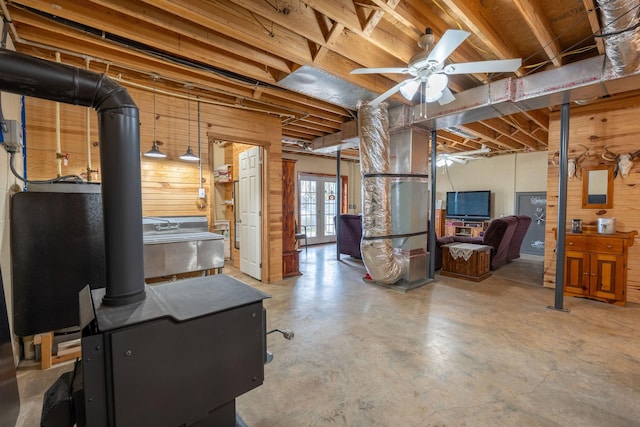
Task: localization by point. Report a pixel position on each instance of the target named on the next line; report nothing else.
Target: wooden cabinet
(290, 255)
(464, 228)
(596, 265)
(466, 261)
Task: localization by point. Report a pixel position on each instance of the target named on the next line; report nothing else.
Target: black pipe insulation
(118, 125)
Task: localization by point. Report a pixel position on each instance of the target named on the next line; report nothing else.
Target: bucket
(606, 225)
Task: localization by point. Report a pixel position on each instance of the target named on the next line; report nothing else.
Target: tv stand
(464, 227)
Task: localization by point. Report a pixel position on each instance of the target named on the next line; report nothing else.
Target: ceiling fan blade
(449, 42)
(499, 66)
(457, 160)
(447, 97)
(388, 93)
(380, 71)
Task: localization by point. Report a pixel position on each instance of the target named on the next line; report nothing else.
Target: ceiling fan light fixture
(443, 162)
(437, 82)
(409, 89)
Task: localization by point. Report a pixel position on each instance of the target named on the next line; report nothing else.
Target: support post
(338, 203)
(432, 203)
(561, 226)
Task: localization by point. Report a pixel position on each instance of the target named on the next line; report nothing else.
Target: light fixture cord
(154, 110)
(199, 147)
(188, 119)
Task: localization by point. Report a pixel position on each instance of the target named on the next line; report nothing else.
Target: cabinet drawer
(600, 245)
(606, 246)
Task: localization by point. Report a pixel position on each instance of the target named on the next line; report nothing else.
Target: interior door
(318, 207)
(533, 204)
(250, 215)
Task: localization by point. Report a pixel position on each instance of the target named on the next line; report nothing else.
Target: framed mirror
(597, 187)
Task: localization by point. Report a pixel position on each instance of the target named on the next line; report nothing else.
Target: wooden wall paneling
(611, 123)
(169, 186)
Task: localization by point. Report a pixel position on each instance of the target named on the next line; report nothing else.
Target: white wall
(503, 175)
(11, 109)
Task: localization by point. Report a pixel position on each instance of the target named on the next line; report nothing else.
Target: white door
(318, 207)
(250, 215)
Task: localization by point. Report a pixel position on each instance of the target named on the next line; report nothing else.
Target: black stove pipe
(119, 130)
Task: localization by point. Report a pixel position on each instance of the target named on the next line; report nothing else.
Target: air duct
(621, 33)
(119, 131)
(377, 243)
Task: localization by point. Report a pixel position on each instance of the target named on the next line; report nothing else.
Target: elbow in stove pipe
(118, 125)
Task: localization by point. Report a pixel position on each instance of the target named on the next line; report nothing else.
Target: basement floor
(451, 353)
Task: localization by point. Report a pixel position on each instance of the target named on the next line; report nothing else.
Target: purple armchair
(524, 222)
(498, 235)
(350, 234)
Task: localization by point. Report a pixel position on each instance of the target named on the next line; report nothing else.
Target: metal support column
(432, 204)
(338, 204)
(562, 208)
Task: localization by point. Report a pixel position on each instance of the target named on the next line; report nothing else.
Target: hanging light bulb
(189, 156)
(408, 90)
(155, 150)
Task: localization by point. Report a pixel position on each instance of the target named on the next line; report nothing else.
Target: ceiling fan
(446, 159)
(428, 67)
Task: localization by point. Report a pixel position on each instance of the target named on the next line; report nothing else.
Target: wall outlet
(201, 193)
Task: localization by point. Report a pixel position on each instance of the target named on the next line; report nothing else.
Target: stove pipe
(118, 126)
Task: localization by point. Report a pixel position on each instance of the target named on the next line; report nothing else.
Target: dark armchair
(524, 221)
(498, 235)
(350, 234)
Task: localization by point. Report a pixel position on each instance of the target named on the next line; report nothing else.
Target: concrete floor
(451, 353)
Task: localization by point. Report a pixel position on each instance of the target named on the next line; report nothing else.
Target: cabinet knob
(571, 243)
(609, 246)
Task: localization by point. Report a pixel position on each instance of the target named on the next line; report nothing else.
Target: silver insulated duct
(377, 244)
(621, 33)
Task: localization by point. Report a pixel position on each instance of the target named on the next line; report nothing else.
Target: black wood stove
(171, 354)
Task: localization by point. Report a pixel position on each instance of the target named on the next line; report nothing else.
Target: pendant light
(189, 156)
(155, 151)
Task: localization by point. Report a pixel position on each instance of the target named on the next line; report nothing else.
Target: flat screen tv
(468, 204)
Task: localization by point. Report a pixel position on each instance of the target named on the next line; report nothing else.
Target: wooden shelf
(464, 228)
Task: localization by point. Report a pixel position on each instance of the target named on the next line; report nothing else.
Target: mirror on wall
(597, 187)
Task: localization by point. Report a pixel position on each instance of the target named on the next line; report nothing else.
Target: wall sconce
(155, 150)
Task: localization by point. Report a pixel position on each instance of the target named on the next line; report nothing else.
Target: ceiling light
(155, 151)
(443, 162)
(408, 90)
(189, 156)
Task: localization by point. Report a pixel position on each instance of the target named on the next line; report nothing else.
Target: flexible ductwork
(119, 131)
(377, 243)
(621, 32)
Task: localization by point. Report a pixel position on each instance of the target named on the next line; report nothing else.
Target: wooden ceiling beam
(388, 8)
(475, 17)
(511, 132)
(281, 104)
(524, 125)
(168, 22)
(533, 13)
(489, 135)
(594, 21)
(162, 40)
(377, 15)
(38, 29)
